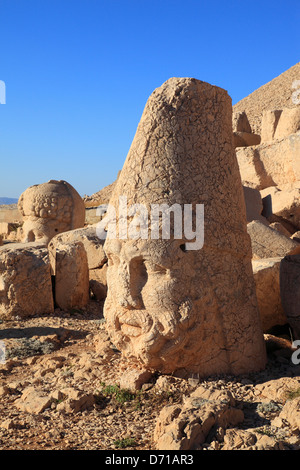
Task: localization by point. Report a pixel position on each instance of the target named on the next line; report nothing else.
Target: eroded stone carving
(48, 209)
(176, 310)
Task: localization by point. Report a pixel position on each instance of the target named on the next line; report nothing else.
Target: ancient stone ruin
(48, 209)
(174, 296)
(173, 309)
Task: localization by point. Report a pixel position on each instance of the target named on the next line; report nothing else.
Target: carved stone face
(48, 209)
(175, 311)
(149, 310)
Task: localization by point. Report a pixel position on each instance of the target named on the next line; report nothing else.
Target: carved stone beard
(146, 309)
(155, 311)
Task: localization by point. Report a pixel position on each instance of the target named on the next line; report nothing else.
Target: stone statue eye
(153, 268)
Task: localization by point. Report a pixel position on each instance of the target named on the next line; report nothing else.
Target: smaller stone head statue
(48, 209)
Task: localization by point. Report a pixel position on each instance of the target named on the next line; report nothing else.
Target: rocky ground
(60, 389)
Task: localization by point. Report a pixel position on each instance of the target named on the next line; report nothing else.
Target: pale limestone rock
(33, 401)
(92, 243)
(280, 123)
(71, 275)
(244, 139)
(269, 123)
(281, 229)
(273, 163)
(284, 204)
(98, 282)
(240, 122)
(290, 291)
(48, 209)
(133, 379)
(254, 205)
(174, 309)
(96, 257)
(75, 400)
(236, 439)
(267, 280)
(267, 242)
(289, 122)
(278, 389)
(291, 414)
(185, 427)
(25, 280)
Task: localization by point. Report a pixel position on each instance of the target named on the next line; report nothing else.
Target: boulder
(282, 229)
(93, 245)
(98, 282)
(267, 280)
(245, 139)
(288, 123)
(240, 122)
(25, 280)
(290, 414)
(96, 258)
(290, 291)
(254, 205)
(33, 401)
(71, 282)
(186, 427)
(274, 163)
(269, 243)
(284, 204)
(269, 123)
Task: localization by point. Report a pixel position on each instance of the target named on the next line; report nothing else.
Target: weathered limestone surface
(284, 203)
(280, 123)
(290, 291)
(71, 276)
(240, 122)
(270, 243)
(96, 257)
(273, 163)
(254, 205)
(25, 280)
(185, 427)
(50, 208)
(243, 139)
(267, 280)
(92, 243)
(171, 308)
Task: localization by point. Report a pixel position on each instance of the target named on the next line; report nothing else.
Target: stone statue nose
(129, 294)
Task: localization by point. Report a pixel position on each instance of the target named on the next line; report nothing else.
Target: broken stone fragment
(25, 280)
(267, 242)
(185, 427)
(71, 282)
(267, 280)
(290, 291)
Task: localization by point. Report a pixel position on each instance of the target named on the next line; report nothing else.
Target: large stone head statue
(48, 209)
(181, 296)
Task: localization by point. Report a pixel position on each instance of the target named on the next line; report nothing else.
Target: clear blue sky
(79, 72)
